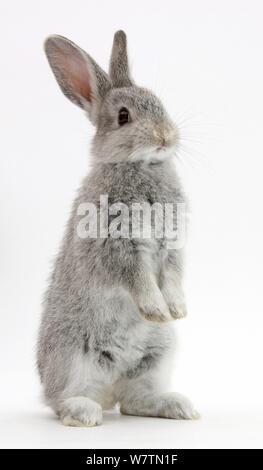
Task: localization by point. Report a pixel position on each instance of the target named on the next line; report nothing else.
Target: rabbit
(105, 338)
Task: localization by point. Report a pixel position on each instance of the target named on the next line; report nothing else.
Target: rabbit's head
(131, 122)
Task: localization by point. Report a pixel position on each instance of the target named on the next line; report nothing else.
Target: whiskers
(195, 137)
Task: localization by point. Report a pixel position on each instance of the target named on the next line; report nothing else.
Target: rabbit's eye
(124, 116)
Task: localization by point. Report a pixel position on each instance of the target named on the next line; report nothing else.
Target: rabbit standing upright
(104, 337)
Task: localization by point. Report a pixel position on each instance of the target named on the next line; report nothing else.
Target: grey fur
(97, 346)
(119, 67)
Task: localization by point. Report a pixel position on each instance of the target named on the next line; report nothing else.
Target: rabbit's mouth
(162, 147)
(161, 153)
(167, 139)
(166, 148)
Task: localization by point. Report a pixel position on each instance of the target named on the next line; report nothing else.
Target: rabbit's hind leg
(166, 405)
(79, 411)
(143, 397)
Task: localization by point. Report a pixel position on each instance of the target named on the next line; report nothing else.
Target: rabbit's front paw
(175, 300)
(177, 310)
(155, 309)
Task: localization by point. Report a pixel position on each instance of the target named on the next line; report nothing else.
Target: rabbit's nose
(165, 136)
(163, 144)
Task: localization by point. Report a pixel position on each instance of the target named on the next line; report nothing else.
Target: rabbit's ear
(77, 74)
(119, 67)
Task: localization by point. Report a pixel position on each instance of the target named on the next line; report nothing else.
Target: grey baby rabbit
(104, 338)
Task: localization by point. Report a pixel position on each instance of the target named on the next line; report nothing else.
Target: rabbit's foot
(177, 406)
(155, 308)
(177, 310)
(169, 405)
(81, 412)
(175, 300)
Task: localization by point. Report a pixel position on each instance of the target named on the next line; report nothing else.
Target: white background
(204, 59)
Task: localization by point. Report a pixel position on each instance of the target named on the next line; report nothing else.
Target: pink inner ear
(74, 69)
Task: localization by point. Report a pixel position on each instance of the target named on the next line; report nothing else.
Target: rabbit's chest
(157, 222)
(154, 254)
